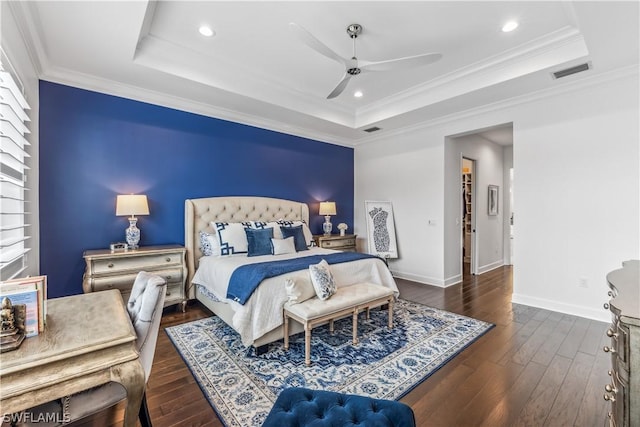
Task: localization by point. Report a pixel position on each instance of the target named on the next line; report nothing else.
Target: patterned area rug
(385, 364)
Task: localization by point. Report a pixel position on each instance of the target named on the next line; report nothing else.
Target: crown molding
(546, 51)
(28, 22)
(568, 87)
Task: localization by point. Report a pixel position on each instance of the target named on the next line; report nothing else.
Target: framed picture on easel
(381, 233)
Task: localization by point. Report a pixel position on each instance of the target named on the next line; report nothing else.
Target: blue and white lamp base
(132, 234)
(327, 226)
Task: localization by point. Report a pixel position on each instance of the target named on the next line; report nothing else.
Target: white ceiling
(256, 71)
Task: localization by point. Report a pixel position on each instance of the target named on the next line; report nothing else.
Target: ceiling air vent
(372, 129)
(571, 70)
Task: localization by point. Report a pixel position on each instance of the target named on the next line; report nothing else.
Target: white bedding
(263, 311)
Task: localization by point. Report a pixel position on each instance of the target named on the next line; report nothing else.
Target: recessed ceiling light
(509, 26)
(206, 31)
(358, 94)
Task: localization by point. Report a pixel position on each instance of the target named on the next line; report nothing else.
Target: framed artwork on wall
(381, 232)
(492, 202)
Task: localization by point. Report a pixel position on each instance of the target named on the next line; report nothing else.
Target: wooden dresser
(624, 389)
(118, 269)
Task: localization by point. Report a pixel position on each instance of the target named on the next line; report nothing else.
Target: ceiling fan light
(509, 26)
(206, 31)
(358, 94)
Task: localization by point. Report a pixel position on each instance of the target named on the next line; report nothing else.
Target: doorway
(468, 209)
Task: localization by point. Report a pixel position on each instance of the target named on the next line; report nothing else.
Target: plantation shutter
(14, 151)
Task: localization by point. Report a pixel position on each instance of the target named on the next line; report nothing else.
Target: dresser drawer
(125, 281)
(337, 244)
(135, 263)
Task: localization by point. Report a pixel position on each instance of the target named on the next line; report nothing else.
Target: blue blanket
(246, 278)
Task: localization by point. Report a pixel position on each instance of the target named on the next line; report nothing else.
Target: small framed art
(492, 203)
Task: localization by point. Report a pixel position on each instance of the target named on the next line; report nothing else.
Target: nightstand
(336, 241)
(118, 269)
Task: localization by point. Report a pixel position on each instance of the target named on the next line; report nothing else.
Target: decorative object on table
(242, 387)
(343, 228)
(132, 204)
(327, 209)
(381, 233)
(492, 200)
(12, 318)
(118, 246)
(32, 293)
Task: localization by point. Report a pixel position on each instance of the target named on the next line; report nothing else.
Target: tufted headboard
(198, 213)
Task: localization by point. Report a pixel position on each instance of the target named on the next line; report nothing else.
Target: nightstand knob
(606, 306)
(167, 259)
(609, 398)
(168, 292)
(610, 389)
(110, 265)
(608, 349)
(168, 277)
(611, 334)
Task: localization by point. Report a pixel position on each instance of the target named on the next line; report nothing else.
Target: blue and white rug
(387, 364)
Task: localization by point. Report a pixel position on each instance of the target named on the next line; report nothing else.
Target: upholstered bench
(349, 300)
(304, 407)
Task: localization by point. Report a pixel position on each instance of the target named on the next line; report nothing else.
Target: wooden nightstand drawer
(135, 263)
(125, 281)
(337, 244)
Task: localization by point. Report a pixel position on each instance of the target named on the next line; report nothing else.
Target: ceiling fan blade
(315, 44)
(343, 84)
(400, 63)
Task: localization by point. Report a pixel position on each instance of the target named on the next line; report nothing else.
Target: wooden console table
(88, 341)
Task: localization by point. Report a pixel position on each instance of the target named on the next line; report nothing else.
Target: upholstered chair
(145, 310)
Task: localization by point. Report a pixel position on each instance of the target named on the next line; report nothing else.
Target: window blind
(14, 155)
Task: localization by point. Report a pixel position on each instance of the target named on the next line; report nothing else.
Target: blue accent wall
(95, 146)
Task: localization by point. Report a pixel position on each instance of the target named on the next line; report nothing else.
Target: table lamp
(327, 209)
(132, 204)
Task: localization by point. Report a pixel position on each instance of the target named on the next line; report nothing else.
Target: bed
(259, 319)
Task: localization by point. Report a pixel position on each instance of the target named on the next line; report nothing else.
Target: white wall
(507, 163)
(576, 189)
(14, 47)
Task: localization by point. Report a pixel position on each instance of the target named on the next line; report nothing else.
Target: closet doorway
(468, 218)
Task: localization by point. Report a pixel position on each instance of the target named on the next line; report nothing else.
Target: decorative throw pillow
(209, 244)
(298, 237)
(283, 246)
(271, 224)
(322, 280)
(305, 228)
(231, 237)
(259, 241)
(299, 290)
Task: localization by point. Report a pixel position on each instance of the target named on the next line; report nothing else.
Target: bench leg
(307, 344)
(331, 326)
(286, 331)
(368, 313)
(391, 313)
(355, 326)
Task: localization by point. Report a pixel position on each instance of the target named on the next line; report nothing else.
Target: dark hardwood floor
(535, 368)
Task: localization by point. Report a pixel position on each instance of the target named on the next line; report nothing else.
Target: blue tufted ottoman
(303, 407)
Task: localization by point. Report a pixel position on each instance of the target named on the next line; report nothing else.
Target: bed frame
(200, 212)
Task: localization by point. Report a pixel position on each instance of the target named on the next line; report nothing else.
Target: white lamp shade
(132, 204)
(327, 208)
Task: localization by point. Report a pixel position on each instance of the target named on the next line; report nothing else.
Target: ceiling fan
(353, 67)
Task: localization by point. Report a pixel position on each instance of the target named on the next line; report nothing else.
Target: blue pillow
(259, 241)
(298, 237)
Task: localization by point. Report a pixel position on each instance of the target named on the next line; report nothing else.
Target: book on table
(31, 291)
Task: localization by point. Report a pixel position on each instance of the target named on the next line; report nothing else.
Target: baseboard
(450, 281)
(417, 278)
(489, 267)
(575, 310)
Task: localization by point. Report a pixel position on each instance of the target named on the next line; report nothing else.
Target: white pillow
(322, 280)
(231, 237)
(299, 290)
(283, 246)
(271, 224)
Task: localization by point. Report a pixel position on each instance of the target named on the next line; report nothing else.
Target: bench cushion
(298, 406)
(345, 297)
